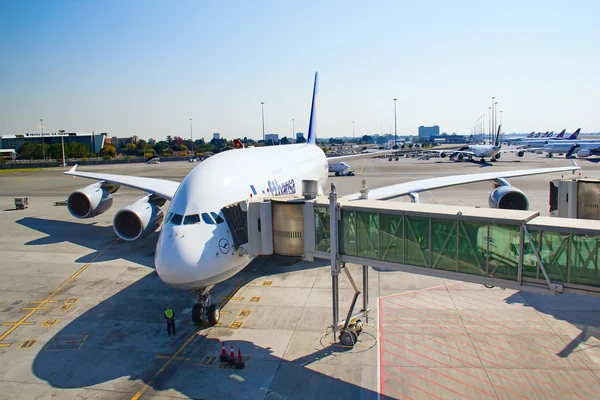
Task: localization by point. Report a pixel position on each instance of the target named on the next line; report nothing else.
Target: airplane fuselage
(195, 247)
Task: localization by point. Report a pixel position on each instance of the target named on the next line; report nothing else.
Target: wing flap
(160, 187)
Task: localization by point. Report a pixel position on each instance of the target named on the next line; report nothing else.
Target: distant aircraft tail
(550, 134)
(530, 135)
(574, 135)
(497, 142)
(546, 134)
(561, 134)
(312, 126)
(538, 135)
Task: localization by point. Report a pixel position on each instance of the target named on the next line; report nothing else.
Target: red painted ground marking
(462, 360)
(446, 365)
(493, 329)
(545, 332)
(429, 380)
(412, 386)
(482, 350)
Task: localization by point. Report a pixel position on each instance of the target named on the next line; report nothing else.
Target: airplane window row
(210, 219)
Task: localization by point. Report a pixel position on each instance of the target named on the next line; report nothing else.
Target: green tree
(77, 150)
(284, 140)
(108, 151)
(30, 151)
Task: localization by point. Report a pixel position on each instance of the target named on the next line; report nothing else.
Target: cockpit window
(176, 219)
(191, 219)
(217, 217)
(206, 218)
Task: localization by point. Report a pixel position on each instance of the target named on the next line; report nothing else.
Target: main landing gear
(204, 310)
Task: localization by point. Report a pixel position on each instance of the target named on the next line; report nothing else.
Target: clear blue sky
(147, 67)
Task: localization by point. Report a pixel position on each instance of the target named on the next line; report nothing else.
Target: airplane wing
(407, 188)
(331, 160)
(160, 187)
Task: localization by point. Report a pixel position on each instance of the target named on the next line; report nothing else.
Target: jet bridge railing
(472, 244)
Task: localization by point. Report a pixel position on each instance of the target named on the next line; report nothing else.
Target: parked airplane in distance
(340, 168)
(196, 248)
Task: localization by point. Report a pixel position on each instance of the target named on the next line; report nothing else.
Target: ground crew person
(170, 317)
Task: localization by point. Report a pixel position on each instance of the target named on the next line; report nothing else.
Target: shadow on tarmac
(125, 336)
(578, 310)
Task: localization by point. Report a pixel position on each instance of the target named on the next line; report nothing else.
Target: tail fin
(550, 134)
(497, 142)
(561, 134)
(538, 135)
(531, 134)
(312, 126)
(545, 134)
(574, 135)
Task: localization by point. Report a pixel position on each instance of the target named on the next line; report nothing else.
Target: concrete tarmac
(81, 312)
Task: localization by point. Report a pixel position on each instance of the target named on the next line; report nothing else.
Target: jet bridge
(507, 248)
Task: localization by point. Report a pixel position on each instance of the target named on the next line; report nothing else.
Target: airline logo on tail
(561, 134)
(574, 135)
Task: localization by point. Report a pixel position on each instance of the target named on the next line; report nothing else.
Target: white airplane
(581, 148)
(340, 168)
(196, 248)
(481, 151)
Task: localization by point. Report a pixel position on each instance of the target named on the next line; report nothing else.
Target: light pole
(395, 126)
(62, 141)
(352, 130)
(43, 150)
(192, 137)
(293, 130)
(490, 120)
(262, 106)
(500, 117)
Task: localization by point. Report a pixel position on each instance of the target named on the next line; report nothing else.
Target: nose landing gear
(204, 311)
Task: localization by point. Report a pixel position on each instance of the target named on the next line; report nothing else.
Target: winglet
(312, 128)
(72, 170)
(575, 165)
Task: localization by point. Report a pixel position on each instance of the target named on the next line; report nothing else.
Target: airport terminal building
(94, 140)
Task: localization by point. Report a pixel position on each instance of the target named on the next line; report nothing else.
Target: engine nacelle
(584, 153)
(520, 154)
(508, 198)
(497, 156)
(90, 201)
(443, 154)
(137, 220)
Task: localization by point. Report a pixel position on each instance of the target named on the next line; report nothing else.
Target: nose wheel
(204, 311)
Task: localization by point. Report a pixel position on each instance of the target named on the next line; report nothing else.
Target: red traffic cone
(239, 364)
(223, 356)
(231, 359)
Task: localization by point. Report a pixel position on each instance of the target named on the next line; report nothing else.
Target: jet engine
(497, 156)
(92, 200)
(520, 154)
(509, 198)
(443, 154)
(584, 153)
(139, 219)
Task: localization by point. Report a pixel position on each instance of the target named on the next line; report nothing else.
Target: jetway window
(367, 235)
(443, 244)
(191, 219)
(417, 245)
(348, 233)
(471, 257)
(391, 237)
(322, 237)
(207, 219)
(585, 260)
(496, 242)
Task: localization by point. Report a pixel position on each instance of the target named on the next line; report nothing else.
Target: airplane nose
(176, 259)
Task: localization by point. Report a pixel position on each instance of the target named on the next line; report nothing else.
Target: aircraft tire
(197, 314)
(214, 314)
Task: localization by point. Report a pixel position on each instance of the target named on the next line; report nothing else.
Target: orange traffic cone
(239, 364)
(223, 356)
(231, 359)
